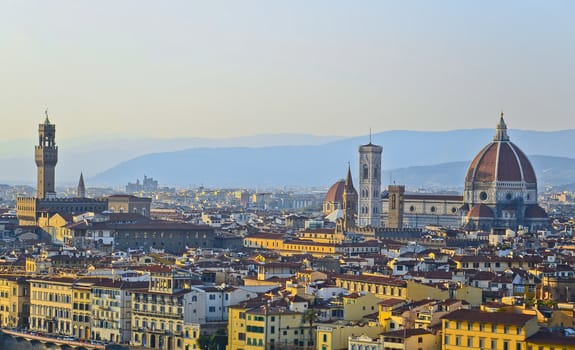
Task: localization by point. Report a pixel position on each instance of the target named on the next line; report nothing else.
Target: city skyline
(230, 69)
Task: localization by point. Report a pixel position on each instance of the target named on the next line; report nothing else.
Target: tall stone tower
(370, 185)
(46, 155)
(349, 202)
(81, 193)
(395, 206)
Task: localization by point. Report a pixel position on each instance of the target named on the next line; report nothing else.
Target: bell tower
(370, 185)
(46, 155)
(349, 202)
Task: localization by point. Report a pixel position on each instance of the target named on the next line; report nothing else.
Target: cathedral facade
(500, 192)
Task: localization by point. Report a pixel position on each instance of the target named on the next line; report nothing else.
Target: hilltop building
(147, 185)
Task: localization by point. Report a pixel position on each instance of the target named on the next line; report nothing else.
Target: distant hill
(552, 171)
(288, 159)
(414, 156)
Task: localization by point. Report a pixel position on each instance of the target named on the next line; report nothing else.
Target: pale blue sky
(233, 68)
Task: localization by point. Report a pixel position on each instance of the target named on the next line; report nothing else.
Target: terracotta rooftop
(489, 317)
(373, 279)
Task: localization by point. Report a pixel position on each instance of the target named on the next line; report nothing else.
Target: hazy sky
(232, 68)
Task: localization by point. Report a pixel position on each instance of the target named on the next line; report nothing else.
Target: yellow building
(258, 326)
(334, 336)
(276, 242)
(322, 235)
(550, 341)
(268, 327)
(408, 339)
(191, 335)
(55, 226)
(112, 309)
(14, 301)
(158, 313)
(420, 291)
(358, 305)
(380, 286)
(81, 310)
(469, 329)
(237, 326)
(51, 305)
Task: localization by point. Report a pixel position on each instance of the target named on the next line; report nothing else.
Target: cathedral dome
(480, 211)
(335, 192)
(535, 211)
(501, 160)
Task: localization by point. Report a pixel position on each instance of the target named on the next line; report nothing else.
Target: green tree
(216, 341)
(310, 316)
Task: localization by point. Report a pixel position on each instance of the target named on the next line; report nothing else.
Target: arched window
(365, 172)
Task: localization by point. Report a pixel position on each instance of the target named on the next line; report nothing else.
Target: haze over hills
(93, 156)
(415, 158)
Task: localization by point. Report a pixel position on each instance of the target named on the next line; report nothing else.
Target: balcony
(157, 314)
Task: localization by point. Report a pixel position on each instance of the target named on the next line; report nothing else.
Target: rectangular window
(481, 343)
(505, 345)
(469, 326)
(469, 342)
(457, 340)
(446, 340)
(493, 344)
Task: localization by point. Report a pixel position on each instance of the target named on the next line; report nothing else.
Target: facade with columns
(500, 192)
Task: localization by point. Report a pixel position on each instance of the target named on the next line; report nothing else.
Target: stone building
(30, 209)
(369, 206)
(14, 301)
(158, 312)
(119, 203)
(501, 187)
(500, 192)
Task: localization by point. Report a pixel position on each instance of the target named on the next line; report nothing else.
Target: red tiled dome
(534, 212)
(335, 192)
(480, 211)
(501, 160)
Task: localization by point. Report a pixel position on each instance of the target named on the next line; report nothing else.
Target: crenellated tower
(46, 155)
